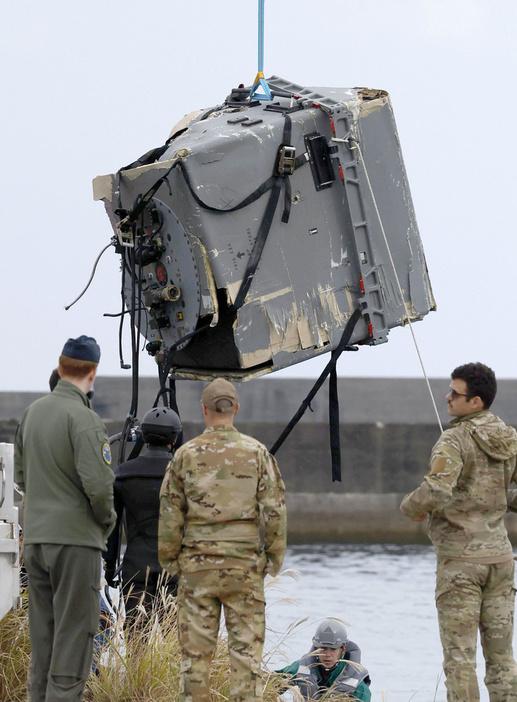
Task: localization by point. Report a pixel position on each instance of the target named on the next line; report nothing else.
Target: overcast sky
(90, 85)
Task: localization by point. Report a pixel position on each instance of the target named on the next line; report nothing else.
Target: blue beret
(84, 348)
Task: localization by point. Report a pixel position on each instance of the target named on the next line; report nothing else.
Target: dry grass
(14, 655)
(139, 665)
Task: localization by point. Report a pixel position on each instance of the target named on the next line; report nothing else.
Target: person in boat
(331, 668)
(137, 496)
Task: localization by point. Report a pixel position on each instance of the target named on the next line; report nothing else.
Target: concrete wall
(388, 428)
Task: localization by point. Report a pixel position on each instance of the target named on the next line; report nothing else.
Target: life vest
(351, 675)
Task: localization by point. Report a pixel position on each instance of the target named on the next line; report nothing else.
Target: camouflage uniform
(215, 491)
(465, 493)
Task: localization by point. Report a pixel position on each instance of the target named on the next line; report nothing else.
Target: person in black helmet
(332, 668)
(137, 495)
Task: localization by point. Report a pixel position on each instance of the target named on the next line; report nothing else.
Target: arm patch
(106, 453)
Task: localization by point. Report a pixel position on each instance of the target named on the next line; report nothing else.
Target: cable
(260, 81)
(261, 37)
(91, 277)
(397, 279)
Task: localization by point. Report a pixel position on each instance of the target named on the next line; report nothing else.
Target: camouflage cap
(220, 396)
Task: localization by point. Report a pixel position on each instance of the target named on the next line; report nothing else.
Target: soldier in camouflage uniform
(217, 490)
(465, 496)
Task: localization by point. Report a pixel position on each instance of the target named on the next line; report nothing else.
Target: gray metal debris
(335, 155)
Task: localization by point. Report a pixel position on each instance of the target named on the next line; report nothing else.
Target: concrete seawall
(357, 518)
(387, 431)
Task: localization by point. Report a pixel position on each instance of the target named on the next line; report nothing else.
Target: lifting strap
(330, 369)
(281, 177)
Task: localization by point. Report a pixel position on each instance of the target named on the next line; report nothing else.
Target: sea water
(385, 594)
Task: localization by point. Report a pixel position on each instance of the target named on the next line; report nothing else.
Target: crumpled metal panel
(351, 239)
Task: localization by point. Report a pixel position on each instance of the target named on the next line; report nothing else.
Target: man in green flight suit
(62, 463)
(465, 495)
(216, 491)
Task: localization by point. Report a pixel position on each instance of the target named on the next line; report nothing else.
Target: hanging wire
(358, 147)
(91, 276)
(260, 81)
(260, 68)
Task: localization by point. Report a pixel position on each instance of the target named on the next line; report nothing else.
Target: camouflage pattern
(215, 492)
(471, 467)
(219, 489)
(465, 495)
(471, 596)
(200, 596)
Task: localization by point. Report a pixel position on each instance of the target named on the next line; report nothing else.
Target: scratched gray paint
(308, 280)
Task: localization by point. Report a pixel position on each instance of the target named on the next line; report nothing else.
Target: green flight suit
(62, 464)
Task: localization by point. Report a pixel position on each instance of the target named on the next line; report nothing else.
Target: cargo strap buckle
(286, 160)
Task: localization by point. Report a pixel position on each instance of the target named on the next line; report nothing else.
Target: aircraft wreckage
(252, 236)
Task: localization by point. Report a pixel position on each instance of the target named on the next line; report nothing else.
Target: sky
(90, 85)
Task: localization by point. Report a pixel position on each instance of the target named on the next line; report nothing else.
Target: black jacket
(137, 495)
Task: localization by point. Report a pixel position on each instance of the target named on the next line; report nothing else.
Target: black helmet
(160, 426)
(330, 634)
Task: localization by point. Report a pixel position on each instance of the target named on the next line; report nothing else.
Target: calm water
(386, 594)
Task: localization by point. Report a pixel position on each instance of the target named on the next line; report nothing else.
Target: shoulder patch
(106, 453)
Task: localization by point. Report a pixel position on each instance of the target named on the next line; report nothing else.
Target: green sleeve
(363, 693)
(172, 517)
(95, 473)
(436, 490)
(270, 495)
(289, 670)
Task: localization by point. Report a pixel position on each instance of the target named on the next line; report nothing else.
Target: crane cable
(260, 81)
(358, 147)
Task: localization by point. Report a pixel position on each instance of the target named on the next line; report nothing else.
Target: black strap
(125, 224)
(149, 157)
(287, 200)
(259, 244)
(335, 445)
(266, 185)
(287, 183)
(331, 365)
(265, 224)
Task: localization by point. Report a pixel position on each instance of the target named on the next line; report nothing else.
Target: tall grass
(138, 664)
(14, 654)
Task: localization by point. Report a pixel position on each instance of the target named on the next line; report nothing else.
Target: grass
(14, 654)
(139, 665)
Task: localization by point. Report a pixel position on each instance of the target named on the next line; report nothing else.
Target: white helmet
(330, 634)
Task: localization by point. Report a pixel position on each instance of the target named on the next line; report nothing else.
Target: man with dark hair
(218, 489)
(62, 463)
(480, 380)
(465, 496)
(53, 380)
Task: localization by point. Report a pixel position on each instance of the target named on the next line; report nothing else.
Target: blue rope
(261, 36)
(260, 81)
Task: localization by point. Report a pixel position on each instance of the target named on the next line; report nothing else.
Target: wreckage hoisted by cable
(250, 238)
